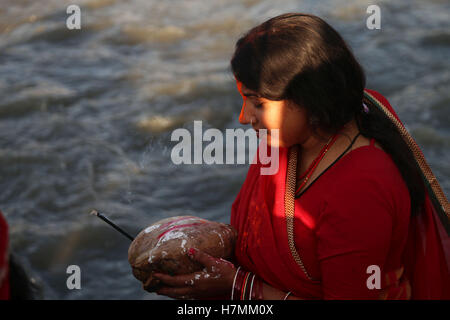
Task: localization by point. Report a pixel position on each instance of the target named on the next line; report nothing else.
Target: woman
(346, 215)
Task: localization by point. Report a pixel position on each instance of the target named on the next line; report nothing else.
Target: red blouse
(355, 216)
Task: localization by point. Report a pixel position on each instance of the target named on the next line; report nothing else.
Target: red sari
(357, 215)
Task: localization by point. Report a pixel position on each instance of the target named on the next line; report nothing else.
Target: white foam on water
(157, 123)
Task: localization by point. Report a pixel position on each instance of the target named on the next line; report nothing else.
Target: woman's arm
(271, 293)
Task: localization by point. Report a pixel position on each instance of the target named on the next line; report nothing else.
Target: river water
(86, 116)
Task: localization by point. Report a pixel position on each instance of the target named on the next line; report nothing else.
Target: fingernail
(191, 252)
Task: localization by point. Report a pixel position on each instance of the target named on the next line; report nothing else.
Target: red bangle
(247, 286)
(238, 283)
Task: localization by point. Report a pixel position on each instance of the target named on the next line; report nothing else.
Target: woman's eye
(258, 106)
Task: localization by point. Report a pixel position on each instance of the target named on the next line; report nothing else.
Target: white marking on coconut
(183, 221)
(189, 282)
(173, 234)
(151, 228)
(221, 238)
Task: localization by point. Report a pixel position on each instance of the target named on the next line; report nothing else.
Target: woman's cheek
(274, 140)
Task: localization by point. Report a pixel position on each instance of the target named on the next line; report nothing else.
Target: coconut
(162, 247)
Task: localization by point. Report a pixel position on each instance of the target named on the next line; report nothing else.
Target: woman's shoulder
(367, 162)
(366, 185)
(383, 100)
(368, 172)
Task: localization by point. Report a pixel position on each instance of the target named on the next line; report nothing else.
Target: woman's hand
(216, 279)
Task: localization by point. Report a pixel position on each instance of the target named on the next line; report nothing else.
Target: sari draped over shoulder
(335, 244)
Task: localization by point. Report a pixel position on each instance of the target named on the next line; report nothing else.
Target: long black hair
(300, 58)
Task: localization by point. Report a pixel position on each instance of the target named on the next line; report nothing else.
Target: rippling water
(86, 116)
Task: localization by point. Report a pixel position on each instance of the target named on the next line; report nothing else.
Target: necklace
(316, 161)
(297, 195)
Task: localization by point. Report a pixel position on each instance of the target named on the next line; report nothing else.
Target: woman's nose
(246, 117)
(242, 115)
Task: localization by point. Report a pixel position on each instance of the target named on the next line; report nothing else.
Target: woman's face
(261, 113)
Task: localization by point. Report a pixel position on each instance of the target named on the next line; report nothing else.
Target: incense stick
(112, 224)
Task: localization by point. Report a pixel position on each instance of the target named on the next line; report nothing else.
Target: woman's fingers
(176, 293)
(204, 258)
(179, 280)
(215, 277)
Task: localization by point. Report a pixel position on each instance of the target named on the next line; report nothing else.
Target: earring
(365, 108)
